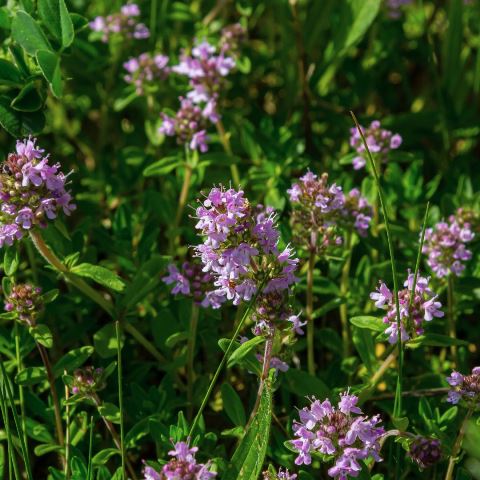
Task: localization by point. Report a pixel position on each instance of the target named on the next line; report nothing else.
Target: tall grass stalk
(192, 335)
(90, 450)
(9, 395)
(397, 409)
(120, 396)
(12, 461)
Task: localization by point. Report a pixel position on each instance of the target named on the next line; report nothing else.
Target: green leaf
(248, 459)
(371, 323)
(28, 34)
(103, 456)
(9, 73)
(249, 361)
(55, 16)
(72, 360)
(101, 275)
(50, 296)
(31, 376)
(10, 261)
(110, 411)
(9, 119)
(401, 423)
(302, 384)
(105, 341)
(435, 340)
(42, 335)
(244, 349)
(233, 406)
(49, 64)
(162, 167)
(28, 99)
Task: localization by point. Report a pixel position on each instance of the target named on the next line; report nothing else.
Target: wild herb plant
(210, 268)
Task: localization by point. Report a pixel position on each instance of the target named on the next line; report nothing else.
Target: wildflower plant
(416, 308)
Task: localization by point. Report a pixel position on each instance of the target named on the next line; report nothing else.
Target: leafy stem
(224, 138)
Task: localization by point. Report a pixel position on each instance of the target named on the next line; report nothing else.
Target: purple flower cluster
(445, 245)
(425, 451)
(88, 381)
(124, 22)
(356, 213)
(319, 208)
(25, 301)
(232, 36)
(189, 125)
(379, 141)
(394, 7)
(32, 191)
(280, 475)
(424, 307)
(341, 432)
(183, 466)
(146, 69)
(465, 387)
(240, 247)
(206, 69)
(191, 281)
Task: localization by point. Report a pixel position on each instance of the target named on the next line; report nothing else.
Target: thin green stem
(91, 293)
(18, 426)
(224, 360)
(457, 445)
(192, 334)
(224, 138)
(419, 255)
(309, 314)
(12, 461)
(398, 397)
(20, 388)
(90, 451)
(53, 391)
(120, 396)
(344, 288)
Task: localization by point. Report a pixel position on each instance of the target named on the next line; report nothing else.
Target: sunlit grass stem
(224, 360)
(120, 396)
(12, 461)
(344, 288)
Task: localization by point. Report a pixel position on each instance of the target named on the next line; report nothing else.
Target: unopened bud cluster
(25, 301)
(88, 381)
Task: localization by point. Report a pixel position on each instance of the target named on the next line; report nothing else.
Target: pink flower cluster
(445, 245)
(379, 140)
(205, 69)
(123, 22)
(342, 432)
(465, 387)
(183, 466)
(191, 281)
(145, 70)
(319, 208)
(240, 247)
(32, 191)
(424, 306)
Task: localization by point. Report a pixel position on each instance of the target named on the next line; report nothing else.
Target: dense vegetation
(239, 239)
